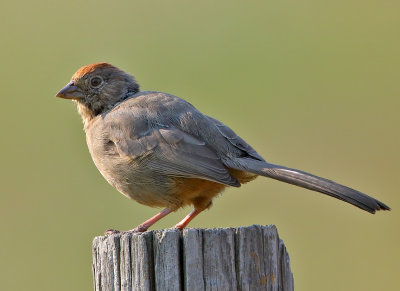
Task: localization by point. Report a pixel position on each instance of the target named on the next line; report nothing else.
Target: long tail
(312, 182)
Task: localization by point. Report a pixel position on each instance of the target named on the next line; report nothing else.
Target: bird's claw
(111, 231)
(139, 229)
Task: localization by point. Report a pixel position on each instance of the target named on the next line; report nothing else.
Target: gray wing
(169, 150)
(236, 141)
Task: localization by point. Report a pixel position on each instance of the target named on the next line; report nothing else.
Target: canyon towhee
(161, 151)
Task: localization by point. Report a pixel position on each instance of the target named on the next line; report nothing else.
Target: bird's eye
(95, 82)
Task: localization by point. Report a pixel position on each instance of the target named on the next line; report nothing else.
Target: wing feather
(170, 151)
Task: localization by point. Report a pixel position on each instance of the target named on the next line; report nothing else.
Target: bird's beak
(70, 91)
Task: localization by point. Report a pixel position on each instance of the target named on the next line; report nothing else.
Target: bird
(160, 151)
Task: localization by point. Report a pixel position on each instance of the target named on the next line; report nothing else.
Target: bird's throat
(85, 112)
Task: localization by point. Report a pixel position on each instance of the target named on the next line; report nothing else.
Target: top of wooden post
(243, 258)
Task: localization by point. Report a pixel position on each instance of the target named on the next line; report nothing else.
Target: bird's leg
(184, 222)
(145, 225)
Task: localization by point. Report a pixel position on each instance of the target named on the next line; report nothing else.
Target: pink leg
(184, 222)
(145, 225)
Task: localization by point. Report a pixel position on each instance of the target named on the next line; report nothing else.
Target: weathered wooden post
(243, 258)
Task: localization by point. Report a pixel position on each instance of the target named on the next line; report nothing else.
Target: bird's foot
(178, 226)
(138, 229)
(111, 231)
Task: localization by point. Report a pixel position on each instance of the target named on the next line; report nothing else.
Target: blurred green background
(312, 85)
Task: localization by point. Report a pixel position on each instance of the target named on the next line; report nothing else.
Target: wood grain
(243, 258)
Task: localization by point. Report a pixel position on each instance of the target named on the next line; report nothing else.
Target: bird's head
(96, 88)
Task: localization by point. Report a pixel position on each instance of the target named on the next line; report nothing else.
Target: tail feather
(315, 183)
